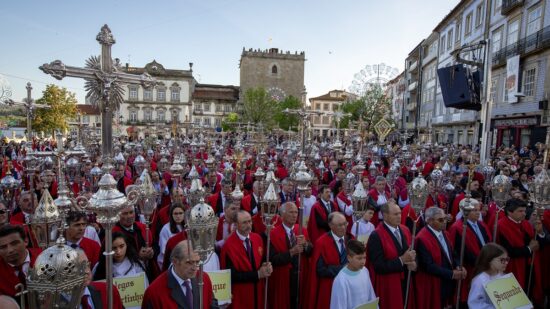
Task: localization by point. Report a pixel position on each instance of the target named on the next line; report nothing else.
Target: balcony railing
(509, 5)
(532, 43)
(412, 86)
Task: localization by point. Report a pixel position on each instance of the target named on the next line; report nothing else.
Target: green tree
(230, 121)
(62, 107)
(259, 107)
(286, 121)
(371, 108)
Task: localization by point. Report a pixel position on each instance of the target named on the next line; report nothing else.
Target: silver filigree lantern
(540, 190)
(57, 279)
(73, 168)
(360, 200)
(139, 164)
(203, 224)
(270, 204)
(501, 189)
(45, 221)
(418, 193)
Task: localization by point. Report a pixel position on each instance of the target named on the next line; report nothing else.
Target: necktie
(74, 246)
(21, 275)
(248, 249)
(343, 257)
(444, 245)
(292, 239)
(188, 292)
(84, 302)
(398, 237)
(478, 233)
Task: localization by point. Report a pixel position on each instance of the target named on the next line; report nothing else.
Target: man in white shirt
(352, 286)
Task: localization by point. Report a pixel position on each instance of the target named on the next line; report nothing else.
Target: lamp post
(202, 225)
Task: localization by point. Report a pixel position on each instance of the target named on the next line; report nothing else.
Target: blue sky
(338, 37)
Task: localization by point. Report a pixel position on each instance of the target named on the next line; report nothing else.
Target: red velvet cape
(92, 250)
(388, 286)
(170, 245)
(320, 289)
(472, 245)
(243, 293)
(344, 198)
(313, 231)
(514, 234)
(279, 294)
(101, 287)
(158, 295)
(9, 279)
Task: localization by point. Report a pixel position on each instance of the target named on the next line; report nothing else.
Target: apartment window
(458, 28)
(227, 108)
(198, 107)
(513, 32)
(161, 115)
(175, 95)
(86, 119)
(468, 26)
(218, 108)
(218, 122)
(498, 5)
(206, 122)
(148, 115)
(497, 40)
(479, 14)
(334, 107)
(450, 39)
(494, 84)
(325, 120)
(534, 20)
(161, 95)
(274, 69)
(147, 94)
(133, 116)
(442, 44)
(206, 107)
(133, 93)
(325, 107)
(529, 77)
(318, 106)
(197, 121)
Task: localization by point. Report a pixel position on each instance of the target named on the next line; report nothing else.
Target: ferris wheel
(372, 75)
(5, 89)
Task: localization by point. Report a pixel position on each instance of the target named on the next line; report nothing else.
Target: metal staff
(466, 205)
(418, 190)
(302, 179)
(500, 190)
(269, 210)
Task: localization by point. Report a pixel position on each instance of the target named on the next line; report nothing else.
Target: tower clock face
(276, 93)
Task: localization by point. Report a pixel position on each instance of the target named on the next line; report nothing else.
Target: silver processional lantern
(45, 221)
(501, 189)
(139, 164)
(203, 224)
(9, 184)
(73, 168)
(57, 278)
(418, 193)
(360, 200)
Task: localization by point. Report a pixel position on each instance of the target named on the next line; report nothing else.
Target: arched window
(274, 69)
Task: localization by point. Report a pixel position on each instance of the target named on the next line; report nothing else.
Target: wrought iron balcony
(535, 42)
(509, 5)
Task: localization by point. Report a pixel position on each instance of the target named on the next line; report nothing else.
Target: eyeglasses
(441, 220)
(3, 211)
(504, 260)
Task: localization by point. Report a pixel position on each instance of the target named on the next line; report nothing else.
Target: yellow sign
(221, 285)
(306, 220)
(363, 238)
(370, 305)
(132, 289)
(506, 293)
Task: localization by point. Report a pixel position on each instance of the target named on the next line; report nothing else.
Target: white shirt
(478, 298)
(365, 229)
(337, 240)
(243, 238)
(308, 204)
(164, 236)
(90, 301)
(127, 268)
(225, 233)
(351, 289)
(345, 208)
(25, 266)
(91, 233)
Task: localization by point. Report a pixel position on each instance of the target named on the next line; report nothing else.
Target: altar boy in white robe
(352, 286)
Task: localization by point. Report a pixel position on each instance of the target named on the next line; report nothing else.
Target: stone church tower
(280, 73)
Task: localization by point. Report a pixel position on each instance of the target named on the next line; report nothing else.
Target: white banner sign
(512, 80)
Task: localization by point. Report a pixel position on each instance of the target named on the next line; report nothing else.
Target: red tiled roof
(87, 109)
(216, 92)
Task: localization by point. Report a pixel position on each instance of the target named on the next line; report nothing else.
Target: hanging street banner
(512, 80)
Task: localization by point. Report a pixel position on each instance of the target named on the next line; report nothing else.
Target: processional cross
(304, 117)
(104, 82)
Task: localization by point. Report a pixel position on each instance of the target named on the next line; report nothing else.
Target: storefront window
(506, 137)
(525, 137)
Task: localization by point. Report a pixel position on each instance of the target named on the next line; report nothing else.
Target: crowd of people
(321, 254)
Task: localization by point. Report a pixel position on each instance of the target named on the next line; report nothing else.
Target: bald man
(178, 286)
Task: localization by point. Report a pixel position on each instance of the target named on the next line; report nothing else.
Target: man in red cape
(389, 258)
(288, 241)
(518, 237)
(15, 258)
(378, 196)
(433, 283)
(74, 234)
(251, 202)
(218, 200)
(329, 256)
(243, 253)
(318, 217)
(476, 238)
(171, 288)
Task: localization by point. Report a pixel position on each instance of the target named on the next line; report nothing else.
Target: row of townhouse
(517, 29)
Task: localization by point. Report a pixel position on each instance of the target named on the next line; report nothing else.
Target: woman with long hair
(490, 265)
(174, 226)
(126, 260)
